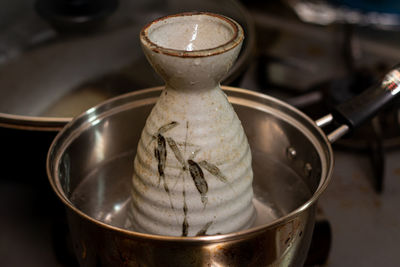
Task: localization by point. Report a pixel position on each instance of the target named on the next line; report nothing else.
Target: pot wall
(282, 245)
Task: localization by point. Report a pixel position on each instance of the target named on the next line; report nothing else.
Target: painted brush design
(160, 153)
(199, 181)
(189, 167)
(203, 231)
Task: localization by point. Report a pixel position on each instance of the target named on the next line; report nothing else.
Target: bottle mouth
(196, 34)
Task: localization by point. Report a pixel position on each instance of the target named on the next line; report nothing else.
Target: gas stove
(315, 67)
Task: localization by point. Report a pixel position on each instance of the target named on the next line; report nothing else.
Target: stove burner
(315, 72)
(368, 138)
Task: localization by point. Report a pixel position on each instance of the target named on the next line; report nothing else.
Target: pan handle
(364, 106)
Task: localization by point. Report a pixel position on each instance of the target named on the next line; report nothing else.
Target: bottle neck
(191, 86)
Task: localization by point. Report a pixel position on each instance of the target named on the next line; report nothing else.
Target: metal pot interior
(90, 163)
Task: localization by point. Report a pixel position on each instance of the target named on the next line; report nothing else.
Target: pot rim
(60, 141)
(33, 123)
(236, 39)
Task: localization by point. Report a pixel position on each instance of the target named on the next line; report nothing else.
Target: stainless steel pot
(90, 166)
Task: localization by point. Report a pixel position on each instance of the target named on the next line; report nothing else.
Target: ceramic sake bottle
(192, 172)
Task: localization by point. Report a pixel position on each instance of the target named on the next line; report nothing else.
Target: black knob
(76, 16)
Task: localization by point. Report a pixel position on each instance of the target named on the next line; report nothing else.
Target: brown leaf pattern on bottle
(203, 231)
(199, 180)
(188, 166)
(214, 170)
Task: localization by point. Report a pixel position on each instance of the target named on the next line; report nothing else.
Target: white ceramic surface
(192, 172)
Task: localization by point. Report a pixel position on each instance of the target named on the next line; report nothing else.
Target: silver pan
(90, 166)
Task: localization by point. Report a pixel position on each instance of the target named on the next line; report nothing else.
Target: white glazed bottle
(192, 171)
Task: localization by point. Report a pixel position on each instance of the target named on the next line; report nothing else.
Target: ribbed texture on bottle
(192, 172)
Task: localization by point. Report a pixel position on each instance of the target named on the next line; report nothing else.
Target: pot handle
(362, 107)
